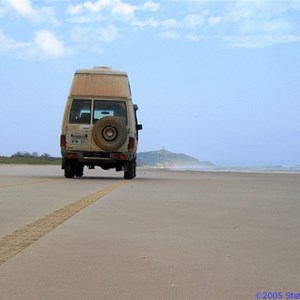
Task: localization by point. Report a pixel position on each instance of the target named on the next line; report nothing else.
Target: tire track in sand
(14, 243)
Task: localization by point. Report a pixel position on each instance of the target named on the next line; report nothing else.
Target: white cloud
(93, 36)
(151, 22)
(120, 7)
(194, 37)
(170, 23)
(37, 15)
(45, 45)
(88, 6)
(22, 7)
(295, 4)
(258, 24)
(48, 46)
(276, 26)
(241, 18)
(107, 34)
(109, 7)
(8, 44)
(215, 20)
(193, 20)
(170, 35)
(45, 15)
(88, 11)
(243, 23)
(150, 6)
(259, 41)
(263, 27)
(240, 23)
(124, 10)
(165, 25)
(242, 10)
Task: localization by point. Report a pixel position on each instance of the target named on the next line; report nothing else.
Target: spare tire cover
(109, 133)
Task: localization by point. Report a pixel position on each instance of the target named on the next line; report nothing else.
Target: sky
(217, 80)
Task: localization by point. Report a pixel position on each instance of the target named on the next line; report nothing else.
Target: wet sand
(163, 235)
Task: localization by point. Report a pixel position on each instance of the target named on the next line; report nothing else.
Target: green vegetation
(30, 159)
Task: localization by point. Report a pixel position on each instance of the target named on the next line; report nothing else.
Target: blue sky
(218, 80)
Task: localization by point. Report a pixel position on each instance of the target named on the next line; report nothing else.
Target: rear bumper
(97, 157)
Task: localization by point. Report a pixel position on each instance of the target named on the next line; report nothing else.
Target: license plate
(78, 138)
(78, 141)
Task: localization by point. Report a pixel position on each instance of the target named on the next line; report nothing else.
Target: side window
(105, 108)
(80, 111)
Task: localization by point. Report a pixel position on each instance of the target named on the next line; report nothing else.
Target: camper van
(99, 125)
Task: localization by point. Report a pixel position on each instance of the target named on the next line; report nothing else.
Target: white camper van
(99, 126)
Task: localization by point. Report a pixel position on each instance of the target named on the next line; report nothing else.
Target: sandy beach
(164, 235)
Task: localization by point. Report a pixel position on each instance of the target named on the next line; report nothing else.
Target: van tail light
(63, 141)
(72, 155)
(131, 144)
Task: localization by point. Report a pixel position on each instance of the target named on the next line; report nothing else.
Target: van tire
(130, 170)
(105, 142)
(69, 169)
(79, 170)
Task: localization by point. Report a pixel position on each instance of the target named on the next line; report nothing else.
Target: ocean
(252, 169)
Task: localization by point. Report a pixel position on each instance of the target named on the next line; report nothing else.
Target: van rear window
(107, 108)
(80, 111)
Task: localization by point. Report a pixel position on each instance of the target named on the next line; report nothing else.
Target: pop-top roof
(100, 70)
(100, 82)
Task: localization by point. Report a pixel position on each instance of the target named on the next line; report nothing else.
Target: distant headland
(165, 158)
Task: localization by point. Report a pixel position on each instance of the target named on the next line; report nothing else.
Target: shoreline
(258, 170)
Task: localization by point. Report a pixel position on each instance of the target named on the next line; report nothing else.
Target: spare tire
(109, 133)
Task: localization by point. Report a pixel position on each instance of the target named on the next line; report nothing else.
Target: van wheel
(69, 169)
(130, 170)
(79, 171)
(109, 133)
